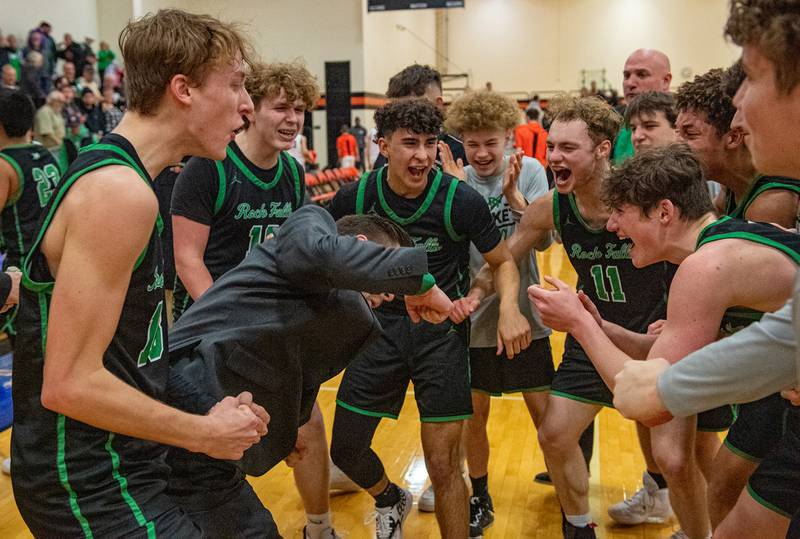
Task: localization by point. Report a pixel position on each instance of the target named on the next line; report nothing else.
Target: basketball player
(89, 418)
(733, 369)
(704, 123)
(705, 112)
(485, 121)
(222, 209)
(659, 201)
(28, 176)
(444, 216)
(579, 145)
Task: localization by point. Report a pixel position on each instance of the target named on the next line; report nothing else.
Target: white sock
(579, 521)
(316, 525)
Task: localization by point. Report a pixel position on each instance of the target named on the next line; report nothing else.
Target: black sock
(389, 496)
(480, 486)
(658, 478)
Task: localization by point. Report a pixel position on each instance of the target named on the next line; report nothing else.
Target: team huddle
(138, 412)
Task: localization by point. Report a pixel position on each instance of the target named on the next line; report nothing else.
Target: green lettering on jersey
(46, 179)
(612, 272)
(577, 252)
(154, 347)
(431, 244)
(276, 210)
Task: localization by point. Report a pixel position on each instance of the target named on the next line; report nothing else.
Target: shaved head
(646, 70)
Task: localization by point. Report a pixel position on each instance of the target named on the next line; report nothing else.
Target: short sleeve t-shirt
(532, 184)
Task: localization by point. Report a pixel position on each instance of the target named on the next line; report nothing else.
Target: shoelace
(476, 518)
(642, 498)
(386, 523)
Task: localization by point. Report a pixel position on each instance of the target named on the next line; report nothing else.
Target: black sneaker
(543, 478)
(573, 532)
(481, 515)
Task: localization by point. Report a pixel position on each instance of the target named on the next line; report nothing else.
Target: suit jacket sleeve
(312, 256)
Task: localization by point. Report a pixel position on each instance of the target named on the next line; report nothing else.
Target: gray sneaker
(648, 504)
(389, 520)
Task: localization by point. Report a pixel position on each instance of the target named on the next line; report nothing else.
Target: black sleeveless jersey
(629, 296)
(738, 209)
(736, 318)
(443, 219)
(38, 175)
(67, 474)
(240, 202)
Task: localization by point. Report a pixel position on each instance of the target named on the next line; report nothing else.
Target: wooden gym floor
(522, 507)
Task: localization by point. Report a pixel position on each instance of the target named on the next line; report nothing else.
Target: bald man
(645, 70)
(9, 77)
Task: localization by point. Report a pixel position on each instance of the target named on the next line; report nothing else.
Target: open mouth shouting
(562, 176)
(417, 172)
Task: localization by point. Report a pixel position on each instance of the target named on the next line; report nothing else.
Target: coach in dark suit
(288, 318)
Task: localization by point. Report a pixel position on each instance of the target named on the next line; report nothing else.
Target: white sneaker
(427, 501)
(389, 520)
(339, 481)
(6, 466)
(649, 504)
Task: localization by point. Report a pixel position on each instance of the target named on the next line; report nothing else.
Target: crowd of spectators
(78, 93)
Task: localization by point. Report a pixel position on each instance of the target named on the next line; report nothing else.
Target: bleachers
(323, 184)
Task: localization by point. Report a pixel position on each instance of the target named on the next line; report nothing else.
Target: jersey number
(617, 295)
(154, 347)
(258, 233)
(46, 180)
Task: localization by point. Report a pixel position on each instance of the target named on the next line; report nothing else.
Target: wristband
(428, 282)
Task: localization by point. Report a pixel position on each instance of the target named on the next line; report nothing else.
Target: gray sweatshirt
(758, 361)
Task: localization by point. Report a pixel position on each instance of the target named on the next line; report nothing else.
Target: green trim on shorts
(761, 501)
(365, 412)
(445, 419)
(538, 389)
(739, 453)
(580, 399)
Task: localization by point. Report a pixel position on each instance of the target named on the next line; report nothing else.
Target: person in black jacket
(278, 325)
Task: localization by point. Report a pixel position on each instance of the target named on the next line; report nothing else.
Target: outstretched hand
(450, 165)
(433, 306)
(510, 181)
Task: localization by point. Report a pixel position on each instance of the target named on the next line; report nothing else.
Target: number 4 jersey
(629, 296)
(38, 175)
(71, 478)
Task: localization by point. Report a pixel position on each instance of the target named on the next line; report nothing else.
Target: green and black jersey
(38, 175)
(444, 219)
(736, 318)
(71, 479)
(737, 210)
(629, 296)
(241, 203)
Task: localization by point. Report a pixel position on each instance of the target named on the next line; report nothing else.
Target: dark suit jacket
(285, 320)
